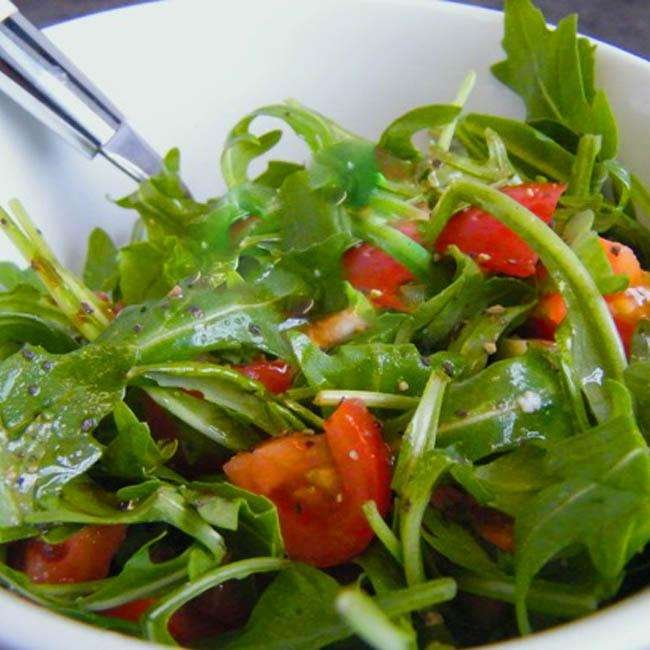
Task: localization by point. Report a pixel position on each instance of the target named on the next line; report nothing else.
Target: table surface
(625, 23)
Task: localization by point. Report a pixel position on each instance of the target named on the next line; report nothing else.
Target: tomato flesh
(496, 248)
(627, 307)
(276, 375)
(86, 555)
(320, 482)
(371, 270)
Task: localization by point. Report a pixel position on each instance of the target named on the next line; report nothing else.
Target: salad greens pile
(97, 369)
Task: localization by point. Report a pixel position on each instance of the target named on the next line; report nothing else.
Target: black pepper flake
(123, 506)
(20, 481)
(448, 368)
(4, 222)
(143, 309)
(254, 329)
(86, 308)
(425, 361)
(615, 250)
(195, 311)
(436, 164)
(137, 328)
(297, 507)
(28, 354)
(461, 413)
(47, 366)
(88, 424)
(309, 444)
(33, 390)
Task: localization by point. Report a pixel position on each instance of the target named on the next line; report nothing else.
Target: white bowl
(187, 71)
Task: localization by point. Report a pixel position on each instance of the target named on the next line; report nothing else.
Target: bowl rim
(601, 624)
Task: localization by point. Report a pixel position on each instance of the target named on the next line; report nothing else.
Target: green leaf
(379, 367)
(153, 501)
(100, 270)
(50, 405)
(509, 402)
(12, 277)
(133, 454)
(252, 518)
(600, 499)
(535, 151)
(396, 139)
(198, 318)
(552, 71)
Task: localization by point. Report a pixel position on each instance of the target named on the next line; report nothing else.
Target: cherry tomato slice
(320, 482)
(276, 375)
(84, 556)
(495, 247)
(376, 273)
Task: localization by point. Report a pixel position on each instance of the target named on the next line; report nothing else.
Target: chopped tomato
(276, 375)
(494, 246)
(376, 273)
(320, 482)
(490, 524)
(627, 307)
(86, 555)
(130, 611)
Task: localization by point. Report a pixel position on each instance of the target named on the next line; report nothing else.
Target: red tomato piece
(276, 375)
(130, 611)
(375, 272)
(627, 307)
(86, 555)
(320, 482)
(494, 246)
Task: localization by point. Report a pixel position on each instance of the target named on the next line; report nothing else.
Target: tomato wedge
(371, 270)
(627, 307)
(320, 482)
(276, 375)
(494, 246)
(86, 555)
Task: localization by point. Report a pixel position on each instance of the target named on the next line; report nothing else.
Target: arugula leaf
(396, 139)
(600, 499)
(252, 518)
(199, 317)
(100, 270)
(552, 71)
(153, 501)
(378, 367)
(28, 316)
(11, 277)
(531, 149)
(48, 408)
(133, 454)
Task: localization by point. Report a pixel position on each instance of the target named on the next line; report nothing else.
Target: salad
(394, 397)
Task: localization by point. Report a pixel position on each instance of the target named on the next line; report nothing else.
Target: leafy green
(50, 405)
(552, 71)
(600, 499)
(396, 139)
(12, 277)
(100, 270)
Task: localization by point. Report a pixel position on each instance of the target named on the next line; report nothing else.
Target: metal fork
(41, 79)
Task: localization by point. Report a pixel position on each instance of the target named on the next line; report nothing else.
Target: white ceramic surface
(186, 70)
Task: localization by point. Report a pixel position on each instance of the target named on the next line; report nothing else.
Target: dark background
(625, 23)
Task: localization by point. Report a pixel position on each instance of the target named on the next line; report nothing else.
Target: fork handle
(41, 79)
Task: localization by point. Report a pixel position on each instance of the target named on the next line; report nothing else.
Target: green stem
(543, 597)
(369, 398)
(466, 87)
(157, 618)
(392, 205)
(571, 277)
(583, 166)
(368, 621)
(382, 530)
(398, 245)
(416, 597)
